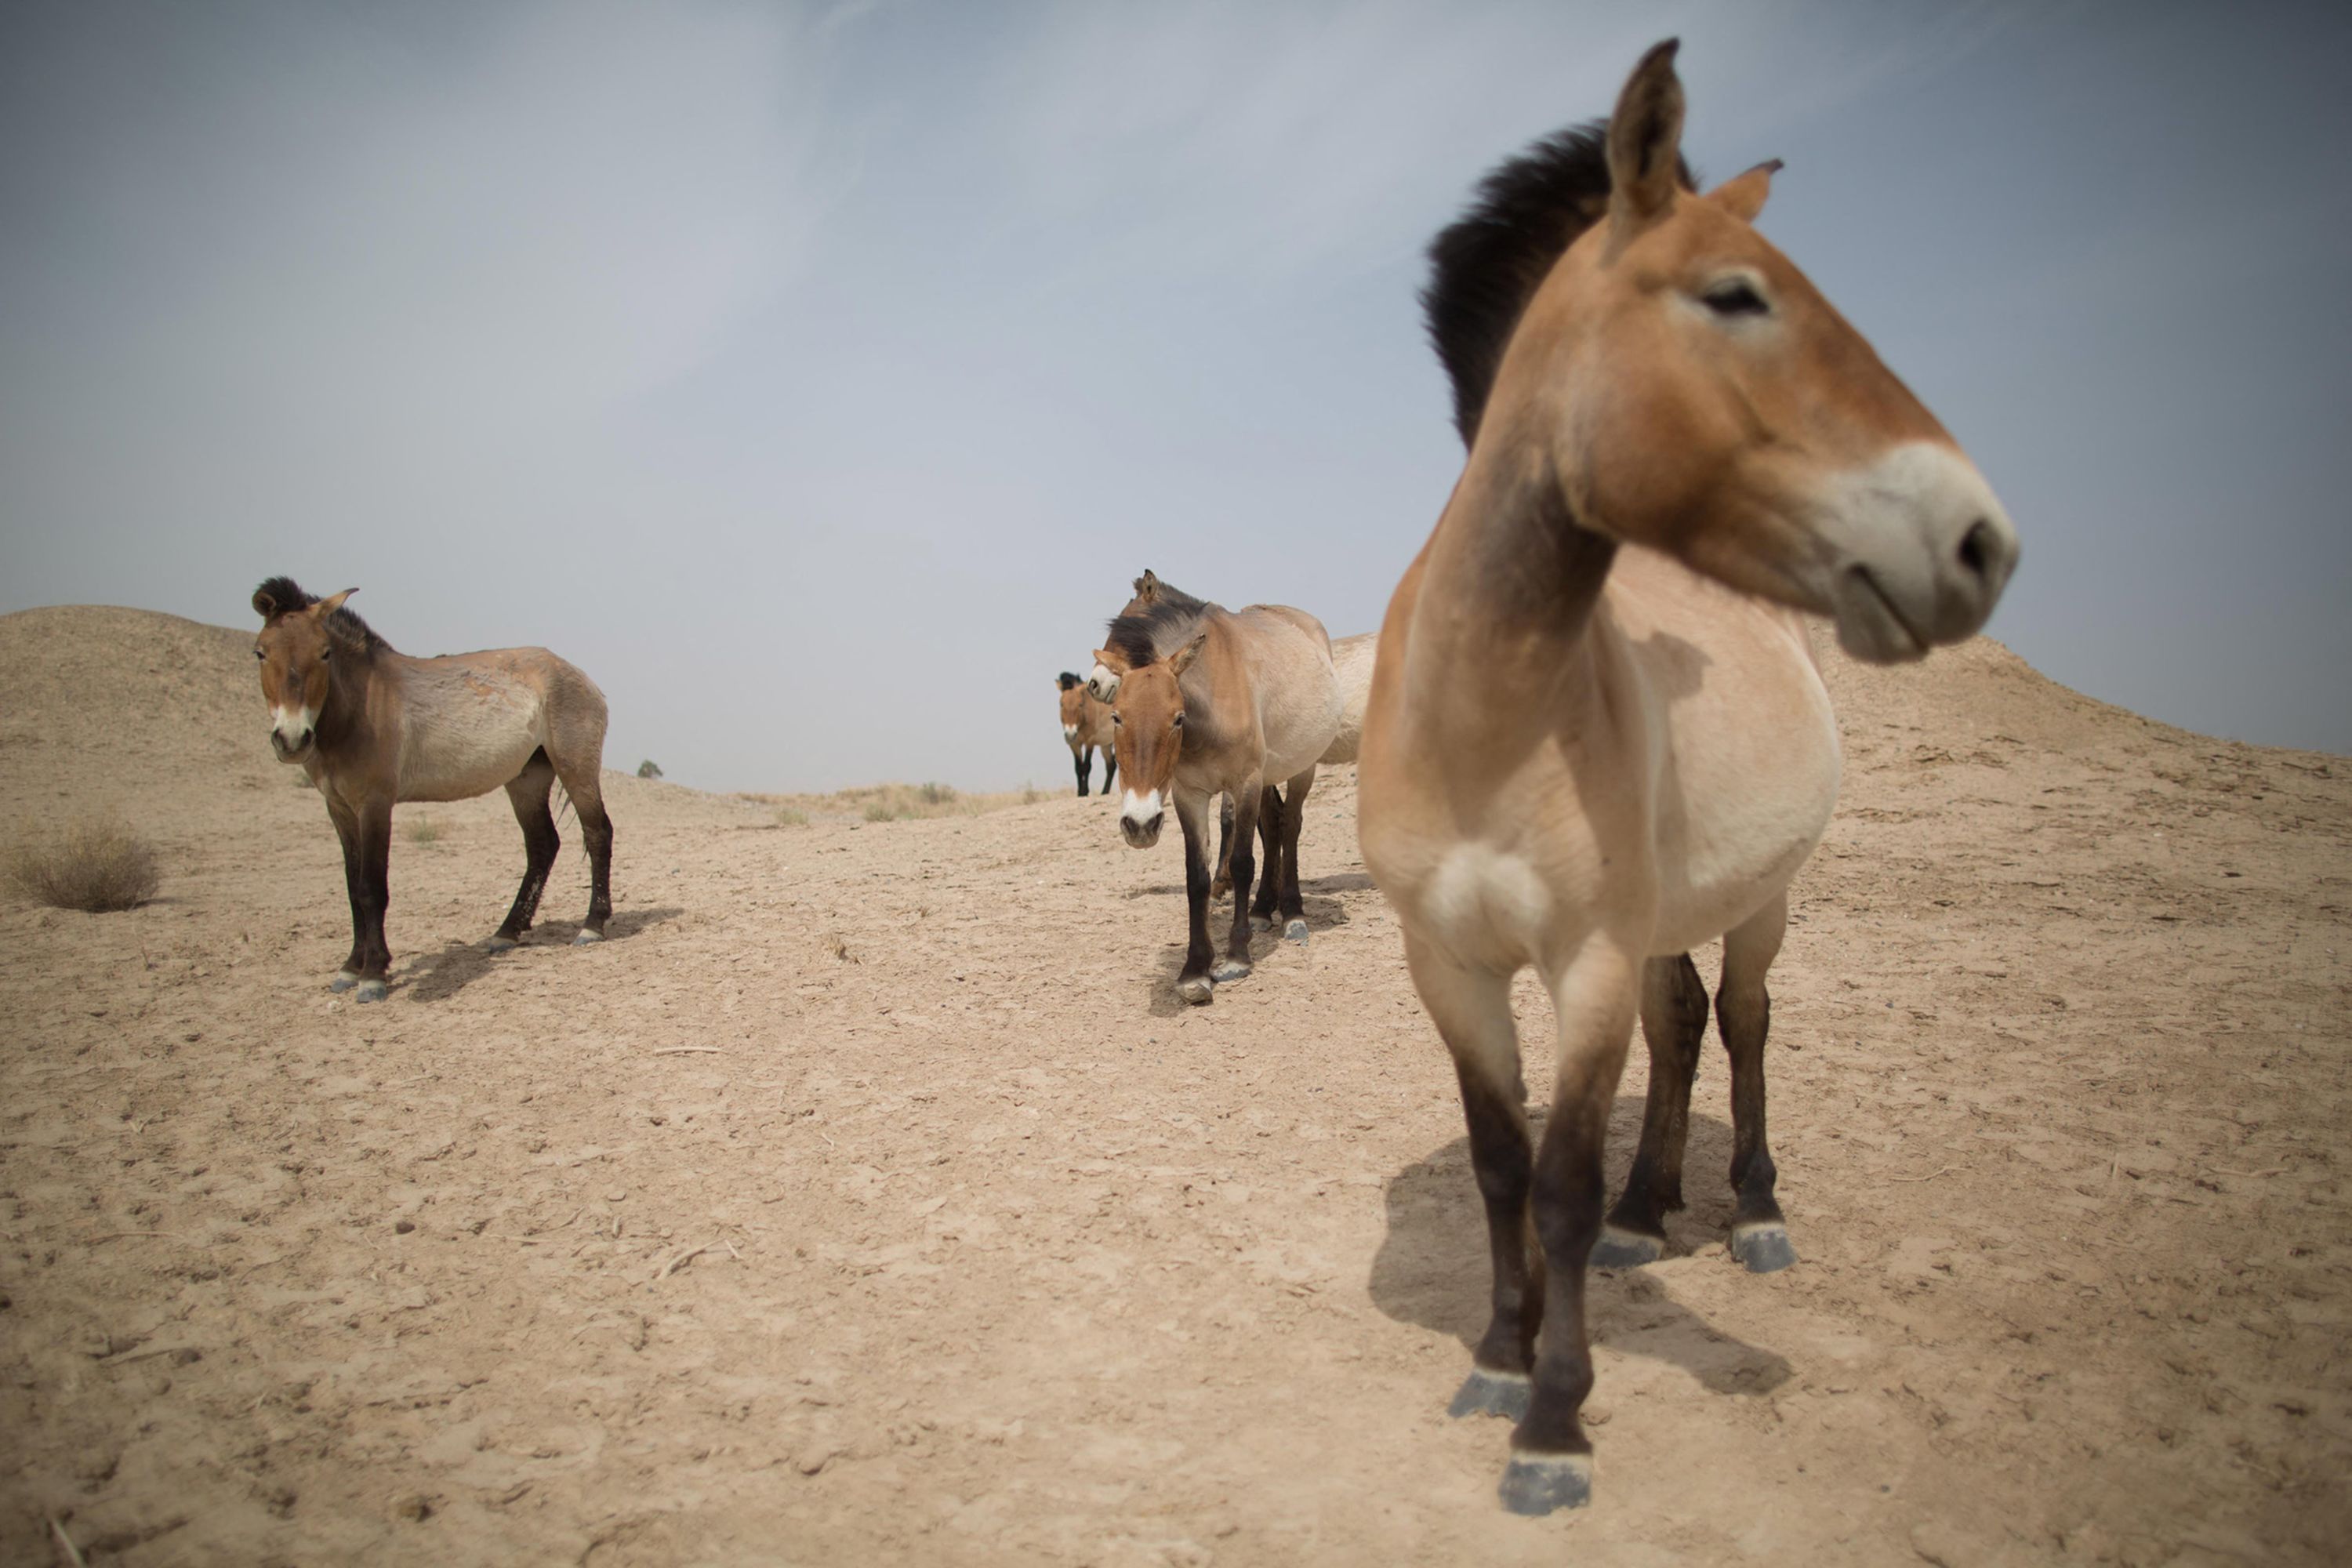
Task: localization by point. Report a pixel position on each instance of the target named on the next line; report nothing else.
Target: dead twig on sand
(685, 1050)
(65, 1544)
(681, 1260)
(1930, 1176)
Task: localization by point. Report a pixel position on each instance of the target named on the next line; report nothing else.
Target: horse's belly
(472, 753)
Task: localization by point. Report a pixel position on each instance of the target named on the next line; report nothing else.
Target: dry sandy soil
(870, 1197)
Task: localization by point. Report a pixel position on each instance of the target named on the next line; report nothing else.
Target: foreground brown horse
(1208, 700)
(1591, 757)
(1085, 729)
(374, 727)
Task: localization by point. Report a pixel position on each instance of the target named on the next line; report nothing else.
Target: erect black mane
(1159, 629)
(1487, 264)
(345, 625)
(1065, 681)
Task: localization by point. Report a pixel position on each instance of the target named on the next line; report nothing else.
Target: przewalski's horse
(1591, 757)
(1351, 662)
(1086, 727)
(374, 727)
(1204, 700)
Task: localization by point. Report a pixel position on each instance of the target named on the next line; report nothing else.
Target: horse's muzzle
(1141, 835)
(294, 752)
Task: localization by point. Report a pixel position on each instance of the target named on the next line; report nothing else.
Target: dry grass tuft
(97, 863)
(424, 830)
(888, 803)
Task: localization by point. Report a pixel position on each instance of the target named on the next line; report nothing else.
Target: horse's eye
(325, 654)
(1178, 721)
(1115, 720)
(1736, 296)
(260, 653)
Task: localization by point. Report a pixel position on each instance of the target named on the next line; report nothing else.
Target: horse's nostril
(1978, 546)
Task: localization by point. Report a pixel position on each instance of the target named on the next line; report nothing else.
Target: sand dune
(871, 1199)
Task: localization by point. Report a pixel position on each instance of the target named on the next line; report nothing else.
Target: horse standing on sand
(1208, 700)
(1086, 727)
(1597, 736)
(374, 727)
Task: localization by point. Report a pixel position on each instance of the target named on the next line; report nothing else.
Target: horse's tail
(563, 803)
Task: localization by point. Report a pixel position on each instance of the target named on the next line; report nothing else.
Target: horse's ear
(1064, 680)
(1181, 659)
(1146, 587)
(1645, 137)
(1743, 196)
(331, 603)
(264, 605)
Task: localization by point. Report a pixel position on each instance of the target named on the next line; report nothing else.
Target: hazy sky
(817, 377)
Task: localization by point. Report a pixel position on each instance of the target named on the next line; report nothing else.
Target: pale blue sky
(816, 377)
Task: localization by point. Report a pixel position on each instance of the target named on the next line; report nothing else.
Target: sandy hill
(869, 1196)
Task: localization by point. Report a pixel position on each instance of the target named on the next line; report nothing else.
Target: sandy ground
(871, 1197)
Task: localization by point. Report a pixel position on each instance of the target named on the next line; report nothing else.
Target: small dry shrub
(937, 794)
(96, 864)
(883, 811)
(422, 830)
(790, 816)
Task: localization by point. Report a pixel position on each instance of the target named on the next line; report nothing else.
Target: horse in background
(374, 727)
(1086, 728)
(1596, 734)
(1208, 700)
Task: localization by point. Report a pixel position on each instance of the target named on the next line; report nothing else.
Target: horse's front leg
(1194, 983)
(376, 887)
(1110, 768)
(1743, 1011)
(1224, 881)
(1593, 999)
(1471, 1010)
(1083, 763)
(1235, 964)
(347, 831)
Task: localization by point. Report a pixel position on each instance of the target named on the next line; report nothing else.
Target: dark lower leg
(375, 883)
(596, 827)
(1083, 764)
(1758, 1233)
(1270, 813)
(1111, 769)
(1503, 1161)
(1192, 981)
(1236, 961)
(1292, 903)
(1674, 1023)
(1223, 883)
(1550, 1455)
(540, 844)
(355, 890)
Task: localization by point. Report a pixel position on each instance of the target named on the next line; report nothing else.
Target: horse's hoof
(1538, 1484)
(1261, 922)
(1229, 970)
(587, 936)
(1198, 989)
(1295, 932)
(371, 991)
(1625, 1248)
(502, 943)
(1485, 1392)
(1764, 1248)
(343, 981)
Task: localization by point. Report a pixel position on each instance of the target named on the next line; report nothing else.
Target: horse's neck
(350, 718)
(1508, 593)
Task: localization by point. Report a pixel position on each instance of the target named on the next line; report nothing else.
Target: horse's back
(1297, 691)
(470, 723)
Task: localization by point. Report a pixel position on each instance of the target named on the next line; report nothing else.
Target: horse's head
(1074, 703)
(1691, 390)
(1146, 734)
(297, 653)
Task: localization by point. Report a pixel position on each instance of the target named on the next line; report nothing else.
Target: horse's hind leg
(1294, 816)
(1270, 811)
(1471, 1010)
(583, 782)
(526, 793)
(1743, 1010)
(1083, 763)
(1223, 883)
(1674, 1022)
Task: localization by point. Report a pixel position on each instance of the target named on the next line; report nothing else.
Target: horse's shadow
(437, 976)
(1432, 1270)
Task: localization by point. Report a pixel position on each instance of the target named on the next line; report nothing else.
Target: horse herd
(1572, 754)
